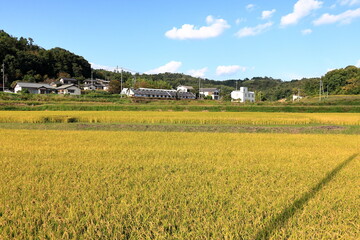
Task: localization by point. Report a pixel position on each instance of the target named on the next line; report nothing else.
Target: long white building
(157, 93)
(242, 95)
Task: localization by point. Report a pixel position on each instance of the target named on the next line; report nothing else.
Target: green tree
(114, 87)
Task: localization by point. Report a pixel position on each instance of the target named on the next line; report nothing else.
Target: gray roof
(66, 86)
(162, 92)
(146, 91)
(34, 85)
(186, 94)
(69, 79)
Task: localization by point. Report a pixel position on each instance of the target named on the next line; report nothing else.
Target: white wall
(17, 88)
(127, 92)
(243, 95)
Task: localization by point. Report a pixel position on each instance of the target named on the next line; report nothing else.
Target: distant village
(71, 86)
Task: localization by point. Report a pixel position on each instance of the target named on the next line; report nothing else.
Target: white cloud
(250, 7)
(215, 28)
(302, 8)
(267, 14)
(229, 70)
(343, 18)
(198, 72)
(253, 31)
(358, 64)
(349, 2)
(306, 31)
(240, 20)
(171, 67)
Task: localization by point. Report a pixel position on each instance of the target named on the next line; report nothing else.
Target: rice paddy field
(147, 117)
(73, 184)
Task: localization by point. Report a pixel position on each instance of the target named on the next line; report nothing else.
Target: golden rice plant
(212, 118)
(161, 185)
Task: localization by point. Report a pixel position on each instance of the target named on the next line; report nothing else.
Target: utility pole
(121, 82)
(92, 77)
(199, 86)
(236, 83)
(3, 71)
(321, 90)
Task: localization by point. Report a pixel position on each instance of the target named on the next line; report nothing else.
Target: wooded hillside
(28, 62)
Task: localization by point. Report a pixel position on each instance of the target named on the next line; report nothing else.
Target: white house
(296, 97)
(128, 92)
(96, 84)
(213, 92)
(34, 88)
(182, 88)
(242, 95)
(69, 89)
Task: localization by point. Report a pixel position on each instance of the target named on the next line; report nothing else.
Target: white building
(184, 88)
(96, 84)
(213, 92)
(157, 93)
(242, 95)
(296, 97)
(128, 92)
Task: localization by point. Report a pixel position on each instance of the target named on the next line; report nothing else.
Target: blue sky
(220, 40)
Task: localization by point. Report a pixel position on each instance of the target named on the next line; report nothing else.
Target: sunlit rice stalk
(243, 118)
(163, 185)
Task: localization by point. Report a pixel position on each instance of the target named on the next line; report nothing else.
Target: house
(63, 81)
(69, 89)
(213, 92)
(97, 84)
(182, 88)
(35, 88)
(68, 81)
(296, 97)
(242, 95)
(157, 93)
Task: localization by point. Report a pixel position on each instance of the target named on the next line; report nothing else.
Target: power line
(128, 70)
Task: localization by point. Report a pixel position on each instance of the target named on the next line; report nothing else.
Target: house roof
(95, 85)
(69, 79)
(161, 92)
(34, 85)
(186, 94)
(55, 82)
(66, 86)
(188, 87)
(145, 91)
